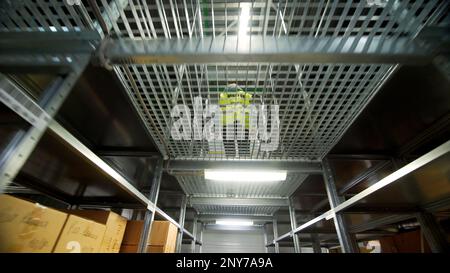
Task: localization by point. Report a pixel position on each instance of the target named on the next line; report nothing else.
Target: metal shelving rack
(320, 61)
(64, 47)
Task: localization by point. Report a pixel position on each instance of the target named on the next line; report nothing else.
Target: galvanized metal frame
(24, 143)
(309, 20)
(275, 234)
(194, 232)
(300, 89)
(346, 240)
(316, 243)
(199, 165)
(405, 170)
(267, 49)
(157, 83)
(435, 236)
(293, 220)
(55, 19)
(150, 215)
(266, 247)
(184, 202)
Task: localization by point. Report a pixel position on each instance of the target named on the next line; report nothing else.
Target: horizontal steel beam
(164, 215)
(407, 169)
(50, 52)
(363, 176)
(380, 222)
(65, 135)
(128, 153)
(288, 49)
(266, 202)
(290, 166)
(38, 42)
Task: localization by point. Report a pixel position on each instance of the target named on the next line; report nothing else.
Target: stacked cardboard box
(30, 227)
(80, 235)
(115, 228)
(162, 237)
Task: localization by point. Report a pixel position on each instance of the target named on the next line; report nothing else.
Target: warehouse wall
(233, 241)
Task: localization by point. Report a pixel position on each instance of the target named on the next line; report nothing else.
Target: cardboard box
(159, 249)
(162, 237)
(115, 228)
(132, 233)
(150, 249)
(131, 249)
(28, 227)
(164, 233)
(80, 235)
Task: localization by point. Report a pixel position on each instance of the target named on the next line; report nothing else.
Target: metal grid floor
(317, 102)
(236, 210)
(197, 186)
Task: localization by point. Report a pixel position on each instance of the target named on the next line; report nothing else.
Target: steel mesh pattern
(35, 15)
(317, 102)
(236, 210)
(184, 18)
(198, 186)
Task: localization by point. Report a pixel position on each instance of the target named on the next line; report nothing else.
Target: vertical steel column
(181, 222)
(23, 143)
(275, 234)
(316, 243)
(346, 240)
(294, 226)
(433, 234)
(194, 232)
(149, 215)
(200, 248)
(266, 248)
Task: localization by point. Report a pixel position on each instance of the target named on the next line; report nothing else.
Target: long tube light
(244, 18)
(245, 175)
(234, 223)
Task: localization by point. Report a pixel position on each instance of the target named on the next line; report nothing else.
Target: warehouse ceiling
(318, 102)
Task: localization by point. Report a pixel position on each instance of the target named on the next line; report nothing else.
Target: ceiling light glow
(244, 19)
(245, 175)
(234, 223)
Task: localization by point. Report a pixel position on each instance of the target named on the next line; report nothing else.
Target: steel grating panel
(317, 102)
(199, 187)
(183, 19)
(316, 105)
(235, 210)
(49, 16)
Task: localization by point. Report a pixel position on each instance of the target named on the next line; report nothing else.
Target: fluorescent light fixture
(234, 223)
(244, 18)
(245, 175)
